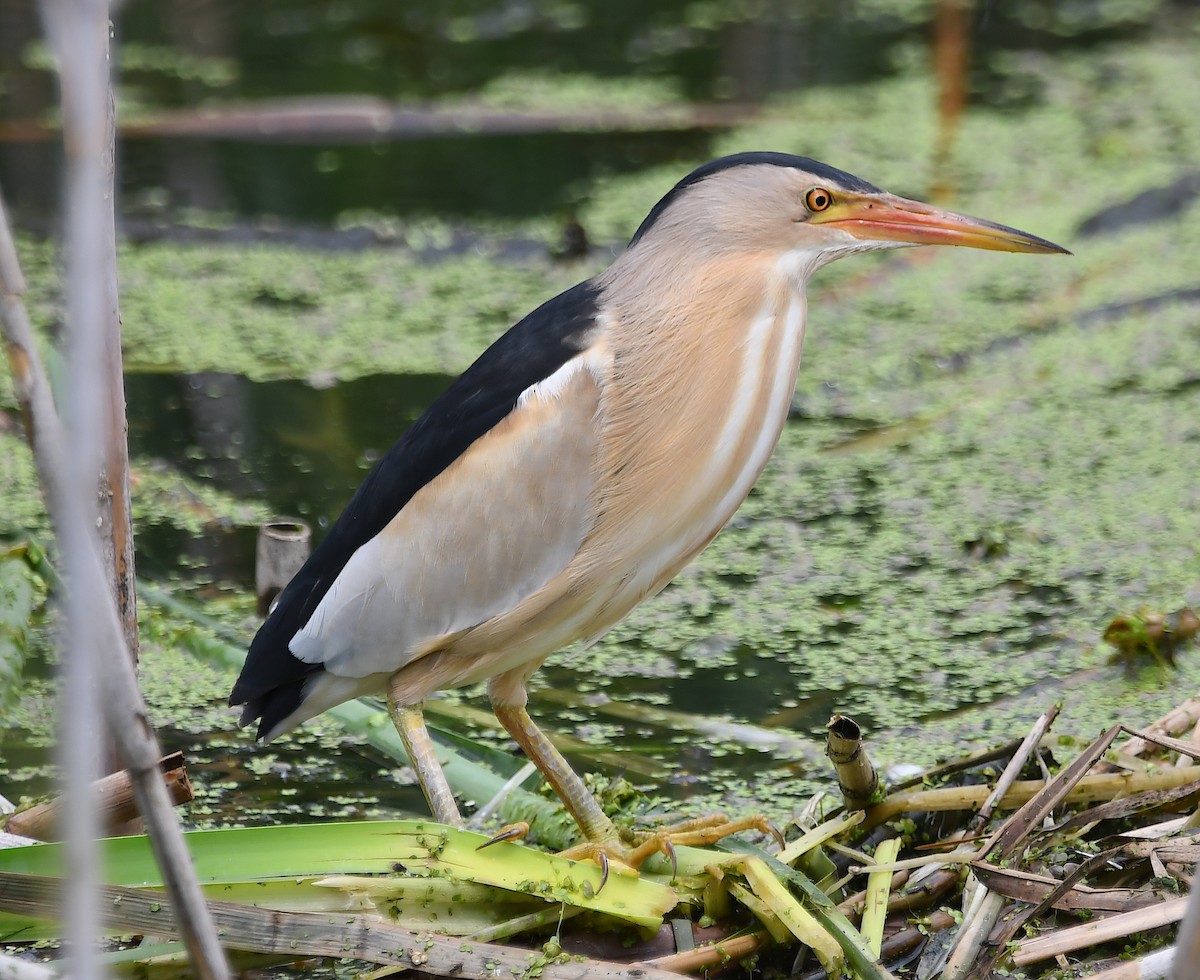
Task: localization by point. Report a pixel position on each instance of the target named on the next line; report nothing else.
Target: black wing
(271, 679)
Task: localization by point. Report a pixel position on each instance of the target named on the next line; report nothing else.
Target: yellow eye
(818, 199)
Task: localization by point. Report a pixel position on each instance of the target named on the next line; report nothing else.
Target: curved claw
(603, 872)
(669, 850)
(514, 831)
(777, 834)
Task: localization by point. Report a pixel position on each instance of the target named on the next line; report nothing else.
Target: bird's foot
(695, 832)
(710, 828)
(511, 832)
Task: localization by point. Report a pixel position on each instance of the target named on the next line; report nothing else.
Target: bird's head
(808, 214)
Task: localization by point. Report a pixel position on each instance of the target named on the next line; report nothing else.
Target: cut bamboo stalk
(113, 795)
(1102, 931)
(856, 775)
(283, 548)
(300, 934)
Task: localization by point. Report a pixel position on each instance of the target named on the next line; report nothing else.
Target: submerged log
(114, 796)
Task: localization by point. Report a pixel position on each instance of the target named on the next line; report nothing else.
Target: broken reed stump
(114, 797)
(856, 776)
(283, 547)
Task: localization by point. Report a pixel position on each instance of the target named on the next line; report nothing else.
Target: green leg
(410, 724)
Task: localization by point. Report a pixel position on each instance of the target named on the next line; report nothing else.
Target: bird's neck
(699, 395)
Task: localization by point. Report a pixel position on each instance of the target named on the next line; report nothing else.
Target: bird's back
(272, 679)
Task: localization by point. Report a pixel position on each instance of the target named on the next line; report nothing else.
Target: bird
(586, 457)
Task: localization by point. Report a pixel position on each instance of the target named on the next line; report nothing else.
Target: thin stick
(986, 910)
(78, 33)
(122, 701)
(1014, 767)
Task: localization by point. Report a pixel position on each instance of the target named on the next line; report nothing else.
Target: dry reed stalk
(1102, 931)
(1089, 789)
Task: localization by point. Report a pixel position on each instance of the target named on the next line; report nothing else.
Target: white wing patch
(490, 530)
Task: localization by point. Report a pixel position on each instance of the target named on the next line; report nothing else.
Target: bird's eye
(818, 199)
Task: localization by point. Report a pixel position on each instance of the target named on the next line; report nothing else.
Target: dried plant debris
(1151, 635)
(1051, 858)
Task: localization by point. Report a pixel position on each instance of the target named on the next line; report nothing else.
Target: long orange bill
(885, 217)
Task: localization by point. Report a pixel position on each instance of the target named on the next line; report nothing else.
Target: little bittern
(587, 456)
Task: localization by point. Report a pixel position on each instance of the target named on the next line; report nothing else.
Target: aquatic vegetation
(988, 459)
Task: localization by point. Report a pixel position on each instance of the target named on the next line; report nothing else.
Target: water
(299, 449)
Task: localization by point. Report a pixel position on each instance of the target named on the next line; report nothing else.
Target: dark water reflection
(300, 450)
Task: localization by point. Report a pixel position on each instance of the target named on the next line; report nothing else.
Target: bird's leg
(604, 841)
(567, 786)
(410, 724)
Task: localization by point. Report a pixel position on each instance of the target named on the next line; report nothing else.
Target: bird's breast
(690, 421)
